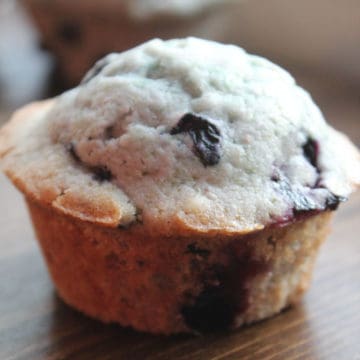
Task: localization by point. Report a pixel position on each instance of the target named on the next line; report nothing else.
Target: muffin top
(183, 135)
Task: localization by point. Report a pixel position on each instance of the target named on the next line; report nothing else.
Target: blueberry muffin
(183, 186)
(80, 32)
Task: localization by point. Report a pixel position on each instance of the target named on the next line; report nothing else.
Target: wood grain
(35, 324)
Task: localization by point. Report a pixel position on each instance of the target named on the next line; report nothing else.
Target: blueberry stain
(195, 250)
(212, 311)
(225, 293)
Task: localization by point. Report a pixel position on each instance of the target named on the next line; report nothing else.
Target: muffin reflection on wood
(183, 186)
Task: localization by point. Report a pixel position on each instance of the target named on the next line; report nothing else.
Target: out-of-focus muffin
(80, 32)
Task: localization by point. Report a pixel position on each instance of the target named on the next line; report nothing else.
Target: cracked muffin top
(185, 135)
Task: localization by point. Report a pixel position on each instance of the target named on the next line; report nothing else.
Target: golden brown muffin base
(177, 284)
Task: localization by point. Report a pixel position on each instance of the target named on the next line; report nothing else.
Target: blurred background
(47, 46)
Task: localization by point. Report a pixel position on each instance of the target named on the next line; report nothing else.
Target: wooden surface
(35, 324)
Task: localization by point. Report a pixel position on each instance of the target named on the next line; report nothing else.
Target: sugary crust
(157, 283)
(74, 193)
(68, 188)
(71, 190)
(16, 129)
(181, 137)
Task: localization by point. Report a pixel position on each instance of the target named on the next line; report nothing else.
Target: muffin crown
(184, 133)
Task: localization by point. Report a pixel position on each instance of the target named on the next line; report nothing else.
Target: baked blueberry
(101, 173)
(205, 136)
(333, 201)
(311, 152)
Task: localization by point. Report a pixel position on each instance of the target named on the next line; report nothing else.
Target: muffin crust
(177, 284)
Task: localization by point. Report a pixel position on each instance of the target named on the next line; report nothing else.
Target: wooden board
(35, 324)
